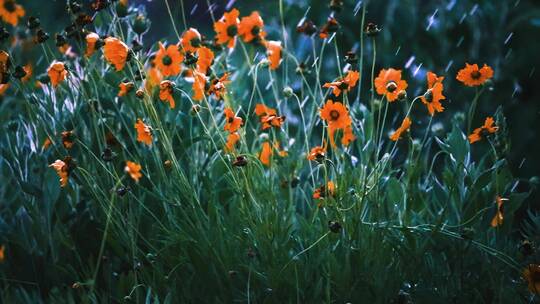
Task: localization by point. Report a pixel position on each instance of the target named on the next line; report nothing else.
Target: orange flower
(486, 129)
(134, 170)
(11, 11)
(433, 96)
(232, 122)
(67, 139)
(29, 70)
(63, 168)
(268, 117)
(325, 191)
(232, 139)
(144, 132)
(227, 27)
(2, 253)
(348, 136)
(331, 26)
(46, 143)
(166, 92)
(389, 83)
(349, 81)
(336, 115)
(57, 72)
(3, 88)
(206, 57)
(116, 52)
(405, 126)
(266, 153)
(191, 40)
(168, 60)
(473, 76)
(317, 153)
(498, 218)
(199, 84)
(153, 78)
(531, 274)
(125, 87)
(251, 27)
(217, 86)
(273, 51)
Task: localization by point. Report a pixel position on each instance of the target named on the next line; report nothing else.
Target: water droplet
(508, 38)
(410, 61)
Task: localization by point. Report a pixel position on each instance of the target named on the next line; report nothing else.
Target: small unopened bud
(288, 92)
(139, 93)
(167, 164)
(195, 109)
(334, 226)
(372, 29)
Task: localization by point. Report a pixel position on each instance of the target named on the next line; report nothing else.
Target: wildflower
(486, 129)
(205, 59)
(2, 253)
(144, 132)
(390, 84)
(153, 78)
(266, 153)
(232, 122)
(140, 24)
(348, 136)
(134, 170)
(10, 11)
(331, 26)
(433, 96)
(63, 169)
(473, 76)
(499, 217)
(268, 117)
(67, 139)
(5, 63)
(217, 86)
(91, 44)
(199, 84)
(317, 153)
(125, 87)
(273, 51)
(307, 27)
(325, 191)
(405, 126)
(168, 60)
(251, 28)
(232, 139)
(57, 73)
(372, 29)
(531, 274)
(116, 52)
(191, 40)
(166, 88)
(343, 85)
(336, 115)
(227, 27)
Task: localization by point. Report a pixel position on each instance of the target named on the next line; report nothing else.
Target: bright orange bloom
(325, 191)
(144, 132)
(348, 136)
(266, 153)
(486, 129)
(205, 59)
(389, 83)
(531, 274)
(153, 78)
(63, 168)
(336, 115)
(345, 84)
(433, 96)
(125, 87)
(191, 40)
(199, 84)
(251, 27)
(166, 88)
(10, 12)
(499, 217)
(405, 126)
(217, 86)
(169, 60)
(67, 139)
(268, 117)
(432, 79)
(232, 139)
(473, 76)
(134, 170)
(232, 122)
(227, 27)
(116, 52)
(57, 72)
(273, 51)
(317, 153)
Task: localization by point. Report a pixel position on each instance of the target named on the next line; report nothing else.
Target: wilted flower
(405, 126)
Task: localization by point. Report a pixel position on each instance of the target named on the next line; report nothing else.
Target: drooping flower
(531, 274)
(433, 96)
(344, 84)
(10, 11)
(317, 153)
(68, 139)
(144, 132)
(486, 129)
(91, 41)
(232, 139)
(405, 126)
(28, 69)
(325, 191)
(499, 216)
(199, 84)
(268, 116)
(116, 52)
(205, 59)
(153, 78)
(134, 170)
(191, 40)
(251, 28)
(217, 86)
(166, 88)
(227, 28)
(471, 75)
(266, 153)
(331, 26)
(273, 51)
(168, 60)
(336, 115)
(57, 73)
(389, 83)
(63, 169)
(232, 122)
(125, 87)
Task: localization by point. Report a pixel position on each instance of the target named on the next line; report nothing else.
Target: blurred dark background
(417, 36)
